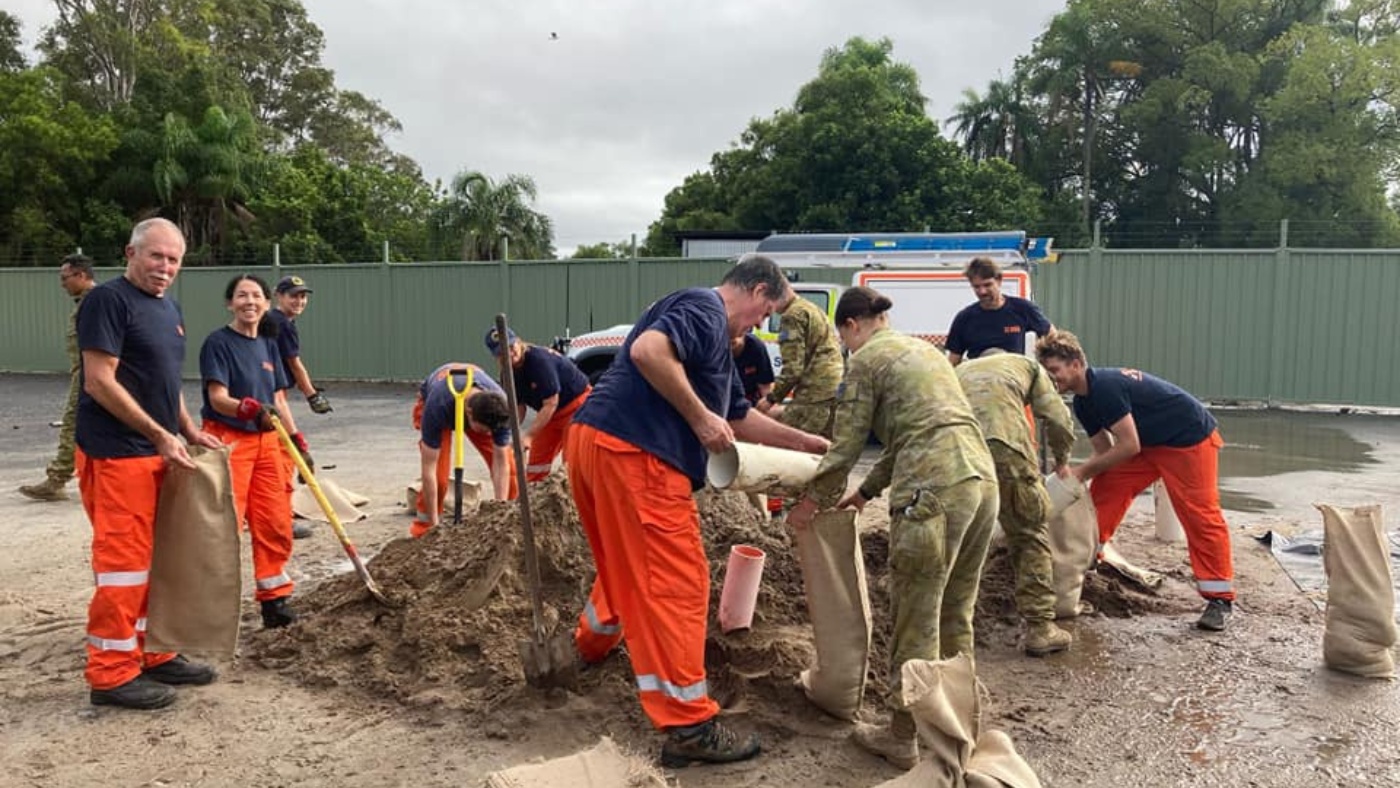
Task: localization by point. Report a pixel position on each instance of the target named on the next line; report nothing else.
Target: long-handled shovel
(326, 507)
(549, 661)
(459, 432)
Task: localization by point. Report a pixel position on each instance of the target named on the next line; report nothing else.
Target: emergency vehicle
(921, 272)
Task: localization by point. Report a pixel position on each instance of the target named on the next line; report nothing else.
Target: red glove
(249, 409)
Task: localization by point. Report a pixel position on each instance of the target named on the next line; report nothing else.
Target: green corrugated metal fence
(1287, 326)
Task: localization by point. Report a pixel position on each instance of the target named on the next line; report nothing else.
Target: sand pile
(462, 606)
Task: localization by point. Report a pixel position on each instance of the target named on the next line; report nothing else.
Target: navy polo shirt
(247, 366)
(975, 329)
(543, 374)
(147, 335)
(755, 367)
(623, 404)
(439, 407)
(1165, 414)
(288, 341)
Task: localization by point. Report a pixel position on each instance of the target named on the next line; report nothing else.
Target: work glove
(305, 451)
(319, 404)
(259, 413)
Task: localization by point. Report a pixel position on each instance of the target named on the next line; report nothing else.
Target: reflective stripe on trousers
(692, 692)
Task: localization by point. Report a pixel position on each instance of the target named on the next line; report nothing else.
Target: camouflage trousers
(1025, 507)
(938, 542)
(817, 418)
(61, 469)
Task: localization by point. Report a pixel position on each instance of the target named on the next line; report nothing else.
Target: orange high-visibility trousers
(653, 581)
(1191, 476)
(262, 493)
(120, 497)
(550, 440)
(484, 447)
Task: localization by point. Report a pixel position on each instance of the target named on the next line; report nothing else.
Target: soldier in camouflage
(75, 277)
(943, 494)
(1000, 386)
(811, 369)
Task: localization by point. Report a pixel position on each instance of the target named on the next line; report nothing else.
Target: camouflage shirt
(75, 356)
(904, 390)
(811, 355)
(1000, 387)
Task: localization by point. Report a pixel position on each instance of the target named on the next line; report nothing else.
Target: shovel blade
(550, 662)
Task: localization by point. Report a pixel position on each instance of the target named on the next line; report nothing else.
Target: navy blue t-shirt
(147, 335)
(439, 408)
(755, 367)
(623, 404)
(1165, 414)
(247, 366)
(544, 373)
(288, 342)
(975, 329)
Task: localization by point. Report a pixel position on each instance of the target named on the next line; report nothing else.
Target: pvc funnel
(750, 467)
(740, 593)
(1168, 524)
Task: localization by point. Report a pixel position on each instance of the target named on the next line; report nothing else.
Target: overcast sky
(634, 95)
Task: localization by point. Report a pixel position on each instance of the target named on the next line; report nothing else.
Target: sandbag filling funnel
(740, 593)
(749, 467)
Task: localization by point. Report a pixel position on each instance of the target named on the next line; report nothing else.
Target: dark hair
(78, 264)
(753, 270)
(1059, 344)
(982, 268)
(266, 328)
(490, 409)
(861, 302)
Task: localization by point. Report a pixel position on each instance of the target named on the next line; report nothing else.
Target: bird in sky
(553, 36)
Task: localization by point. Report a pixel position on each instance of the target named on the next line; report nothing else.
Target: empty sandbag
(1360, 593)
(833, 576)
(1074, 538)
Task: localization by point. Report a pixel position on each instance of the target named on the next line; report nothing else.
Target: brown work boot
(707, 742)
(898, 744)
(48, 490)
(1043, 637)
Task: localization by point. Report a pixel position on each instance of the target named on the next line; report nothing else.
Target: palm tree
(489, 217)
(994, 126)
(205, 174)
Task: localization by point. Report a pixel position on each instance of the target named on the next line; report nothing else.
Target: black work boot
(181, 671)
(1216, 615)
(707, 742)
(139, 693)
(276, 613)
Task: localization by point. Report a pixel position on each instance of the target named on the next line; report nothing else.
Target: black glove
(318, 402)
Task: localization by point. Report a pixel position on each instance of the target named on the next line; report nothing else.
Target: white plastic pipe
(1168, 524)
(750, 467)
(740, 593)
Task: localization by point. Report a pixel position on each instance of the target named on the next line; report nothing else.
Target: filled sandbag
(342, 501)
(195, 582)
(1360, 592)
(604, 766)
(833, 576)
(945, 698)
(1074, 537)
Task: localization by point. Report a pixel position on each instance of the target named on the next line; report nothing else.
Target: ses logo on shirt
(267, 366)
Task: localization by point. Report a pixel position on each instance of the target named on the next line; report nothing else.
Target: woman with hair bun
(244, 381)
(943, 493)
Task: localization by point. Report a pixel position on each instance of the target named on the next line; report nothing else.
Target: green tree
(206, 174)
(489, 217)
(603, 250)
(11, 59)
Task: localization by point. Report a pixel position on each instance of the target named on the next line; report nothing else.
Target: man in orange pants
(131, 415)
(635, 455)
(487, 418)
(553, 387)
(1143, 429)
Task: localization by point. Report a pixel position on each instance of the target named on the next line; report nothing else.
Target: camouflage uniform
(943, 500)
(61, 469)
(811, 368)
(999, 387)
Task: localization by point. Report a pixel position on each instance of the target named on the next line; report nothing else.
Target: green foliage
(622, 250)
(490, 220)
(11, 59)
(857, 151)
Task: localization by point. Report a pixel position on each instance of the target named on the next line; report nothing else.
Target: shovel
(549, 661)
(459, 431)
(329, 510)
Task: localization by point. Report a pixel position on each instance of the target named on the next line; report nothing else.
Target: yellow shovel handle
(459, 413)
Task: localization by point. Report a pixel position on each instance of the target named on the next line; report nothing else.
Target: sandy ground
(1143, 700)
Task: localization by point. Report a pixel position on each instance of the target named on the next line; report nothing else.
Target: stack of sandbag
(1074, 537)
(833, 576)
(1360, 592)
(946, 701)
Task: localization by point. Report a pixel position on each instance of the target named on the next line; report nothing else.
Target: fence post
(634, 278)
(276, 264)
(1278, 328)
(505, 284)
(385, 256)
